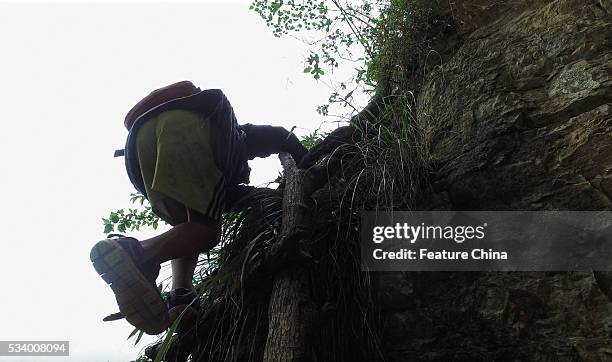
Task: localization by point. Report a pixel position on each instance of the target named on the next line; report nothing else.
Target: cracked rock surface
(517, 116)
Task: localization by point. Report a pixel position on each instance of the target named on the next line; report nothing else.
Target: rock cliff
(514, 107)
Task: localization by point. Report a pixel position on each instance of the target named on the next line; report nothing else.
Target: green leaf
(165, 346)
(139, 337)
(133, 333)
(108, 228)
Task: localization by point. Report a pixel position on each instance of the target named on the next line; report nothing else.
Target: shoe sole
(138, 300)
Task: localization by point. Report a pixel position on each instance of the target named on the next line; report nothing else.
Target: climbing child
(186, 153)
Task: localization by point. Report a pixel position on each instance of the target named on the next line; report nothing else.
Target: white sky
(69, 72)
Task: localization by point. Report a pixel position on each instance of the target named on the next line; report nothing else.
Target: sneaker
(176, 301)
(120, 262)
(182, 301)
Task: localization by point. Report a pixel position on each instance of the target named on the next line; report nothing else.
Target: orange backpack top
(159, 96)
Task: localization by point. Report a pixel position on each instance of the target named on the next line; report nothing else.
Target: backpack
(159, 96)
(184, 95)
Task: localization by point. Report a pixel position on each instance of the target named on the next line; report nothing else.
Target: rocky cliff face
(515, 111)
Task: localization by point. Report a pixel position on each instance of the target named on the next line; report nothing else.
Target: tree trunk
(291, 309)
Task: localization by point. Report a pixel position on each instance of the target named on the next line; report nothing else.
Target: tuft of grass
(401, 39)
(167, 340)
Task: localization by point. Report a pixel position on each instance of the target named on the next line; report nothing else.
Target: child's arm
(262, 141)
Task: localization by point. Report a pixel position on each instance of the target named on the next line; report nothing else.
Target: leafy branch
(342, 30)
(131, 219)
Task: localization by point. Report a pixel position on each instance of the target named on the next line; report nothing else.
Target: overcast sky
(69, 72)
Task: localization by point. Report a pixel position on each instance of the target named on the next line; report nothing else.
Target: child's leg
(262, 141)
(183, 243)
(182, 272)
